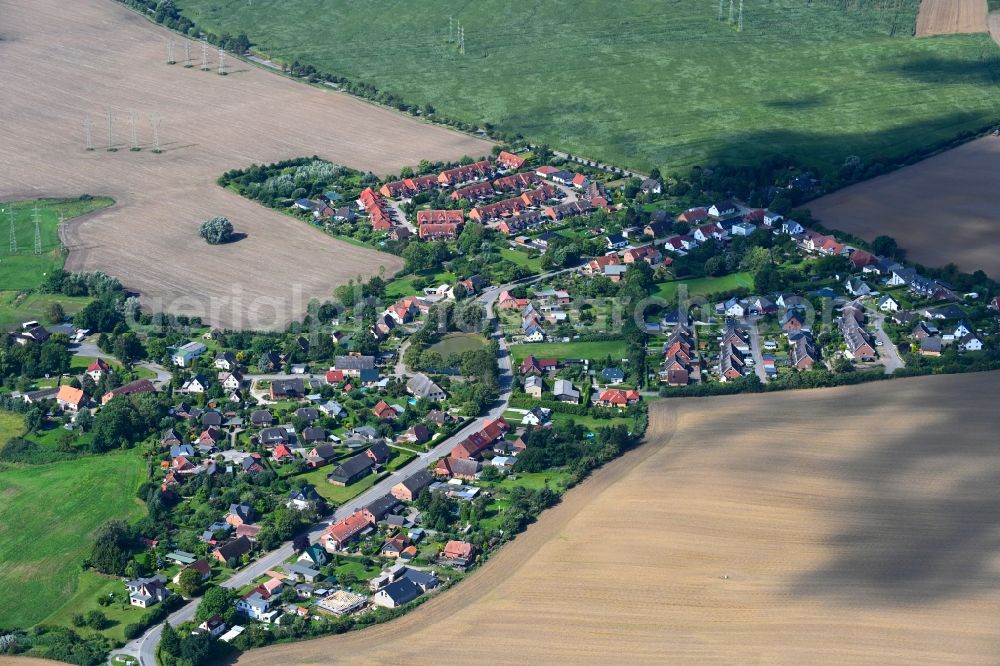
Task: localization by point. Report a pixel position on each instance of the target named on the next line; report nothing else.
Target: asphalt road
(888, 352)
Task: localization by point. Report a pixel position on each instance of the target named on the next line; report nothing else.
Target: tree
(96, 619)
(217, 230)
(885, 246)
(111, 551)
(55, 314)
(189, 582)
(216, 601)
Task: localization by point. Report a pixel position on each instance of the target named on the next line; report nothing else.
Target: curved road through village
(144, 647)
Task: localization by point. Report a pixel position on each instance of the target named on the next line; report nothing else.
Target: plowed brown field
(945, 17)
(63, 61)
(858, 525)
(942, 209)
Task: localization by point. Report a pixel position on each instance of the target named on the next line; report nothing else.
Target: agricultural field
(943, 17)
(66, 501)
(603, 81)
(594, 351)
(208, 124)
(782, 532)
(941, 210)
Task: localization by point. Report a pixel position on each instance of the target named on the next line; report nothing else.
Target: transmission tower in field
(155, 122)
(461, 40)
(731, 12)
(170, 53)
(135, 137)
(222, 62)
(187, 54)
(87, 134)
(111, 145)
(740, 25)
(38, 233)
(204, 57)
(13, 233)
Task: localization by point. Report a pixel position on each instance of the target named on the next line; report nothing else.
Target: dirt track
(945, 17)
(64, 60)
(853, 525)
(941, 210)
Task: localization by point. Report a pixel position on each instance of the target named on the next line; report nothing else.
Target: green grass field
(338, 494)
(48, 515)
(532, 261)
(24, 270)
(11, 425)
(704, 286)
(650, 83)
(590, 350)
(457, 343)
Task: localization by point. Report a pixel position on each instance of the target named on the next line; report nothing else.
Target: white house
(970, 342)
(743, 229)
(185, 354)
(772, 219)
(534, 386)
(230, 381)
(196, 384)
(791, 227)
(734, 308)
(961, 330)
(888, 304)
(256, 607)
(722, 209)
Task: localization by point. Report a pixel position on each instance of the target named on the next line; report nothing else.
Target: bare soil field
(853, 525)
(941, 210)
(66, 61)
(946, 17)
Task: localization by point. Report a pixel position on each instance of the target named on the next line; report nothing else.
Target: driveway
(755, 351)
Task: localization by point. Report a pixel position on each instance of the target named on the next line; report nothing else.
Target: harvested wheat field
(64, 61)
(857, 525)
(946, 17)
(941, 210)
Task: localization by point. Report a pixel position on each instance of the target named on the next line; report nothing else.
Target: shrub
(216, 231)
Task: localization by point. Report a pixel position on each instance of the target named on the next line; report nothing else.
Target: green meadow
(651, 82)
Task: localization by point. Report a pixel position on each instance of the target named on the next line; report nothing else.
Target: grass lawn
(590, 350)
(403, 285)
(90, 587)
(17, 307)
(11, 425)
(704, 286)
(400, 459)
(861, 84)
(66, 502)
(589, 421)
(554, 479)
(457, 343)
(530, 260)
(338, 494)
